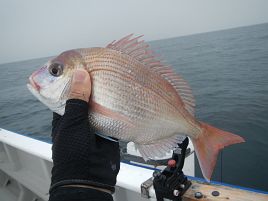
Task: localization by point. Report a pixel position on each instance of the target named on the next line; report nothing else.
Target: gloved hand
(81, 158)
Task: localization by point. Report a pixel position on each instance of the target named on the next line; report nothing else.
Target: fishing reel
(171, 183)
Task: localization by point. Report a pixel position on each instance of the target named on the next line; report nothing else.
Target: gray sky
(39, 28)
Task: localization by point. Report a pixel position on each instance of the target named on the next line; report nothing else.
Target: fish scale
(128, 67)
(115, 77)
(118, 87)
(129, 109)
(161, 106)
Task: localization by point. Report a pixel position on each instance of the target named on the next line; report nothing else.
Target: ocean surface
(228, 72)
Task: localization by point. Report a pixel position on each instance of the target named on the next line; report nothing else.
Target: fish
(135, 97)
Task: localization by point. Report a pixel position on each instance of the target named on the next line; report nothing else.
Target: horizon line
(180, 36)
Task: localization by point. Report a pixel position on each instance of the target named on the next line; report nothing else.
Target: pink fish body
(135, 97)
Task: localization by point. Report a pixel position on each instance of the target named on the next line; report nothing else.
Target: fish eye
(56, 69)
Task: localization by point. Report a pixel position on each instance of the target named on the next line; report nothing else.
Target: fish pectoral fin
(160, 148)
(95, 107)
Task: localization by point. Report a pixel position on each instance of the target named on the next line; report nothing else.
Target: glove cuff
(80, 182)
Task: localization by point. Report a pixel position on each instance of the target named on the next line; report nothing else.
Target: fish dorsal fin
(140, 51)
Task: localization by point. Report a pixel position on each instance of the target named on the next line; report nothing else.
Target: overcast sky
(40, 28)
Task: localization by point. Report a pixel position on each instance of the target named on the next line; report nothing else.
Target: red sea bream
(135, 97)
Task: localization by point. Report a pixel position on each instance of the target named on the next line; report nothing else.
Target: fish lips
(34, 84)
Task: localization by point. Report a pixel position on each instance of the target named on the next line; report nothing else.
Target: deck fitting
(198, 195)
(215, 193)
(145, 186)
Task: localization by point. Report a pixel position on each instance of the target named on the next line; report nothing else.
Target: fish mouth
(35, 90)
(34, 84)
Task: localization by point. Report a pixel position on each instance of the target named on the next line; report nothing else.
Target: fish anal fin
(209, 143)
(140, 51)
(160, 148)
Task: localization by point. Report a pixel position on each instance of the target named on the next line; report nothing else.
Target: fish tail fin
(209, 143)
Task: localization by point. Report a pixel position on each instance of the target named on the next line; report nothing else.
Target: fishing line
(221, 165)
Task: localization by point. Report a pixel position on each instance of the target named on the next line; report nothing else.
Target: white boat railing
(25, 166)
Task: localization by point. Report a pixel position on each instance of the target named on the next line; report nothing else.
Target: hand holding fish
(82, 166)
(81, 85)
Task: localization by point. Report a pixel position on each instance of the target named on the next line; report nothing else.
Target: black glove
(80, 157)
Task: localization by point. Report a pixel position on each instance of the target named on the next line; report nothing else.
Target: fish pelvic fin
(159, 149)
(209, 143)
